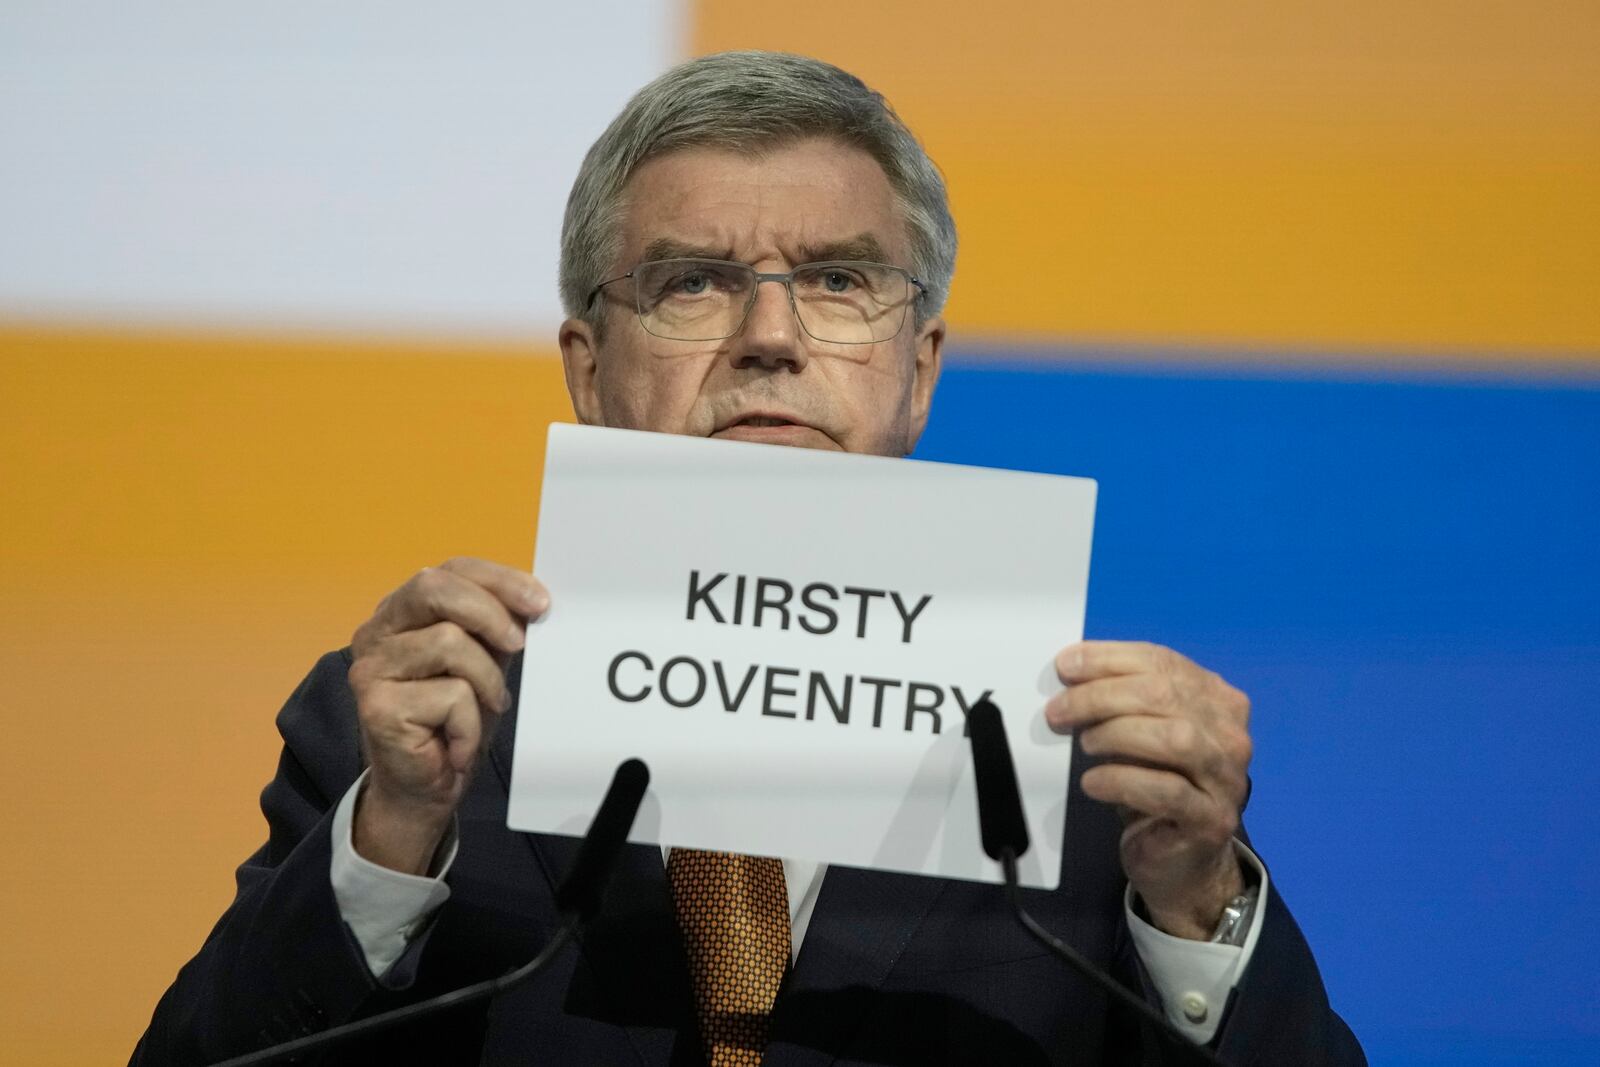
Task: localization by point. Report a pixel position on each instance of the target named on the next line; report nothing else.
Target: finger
(464, 727)
(1088, 660)
(406, 714)
(1153, 791)
(404, 719)
(436, 594)
(1086, 703)
(441, 650)
(519, 591)
(1170, 744)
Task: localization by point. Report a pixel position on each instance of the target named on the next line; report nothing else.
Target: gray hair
(751, 102)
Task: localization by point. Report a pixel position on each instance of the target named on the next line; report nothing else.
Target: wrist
(1194, 914)
(401, 835)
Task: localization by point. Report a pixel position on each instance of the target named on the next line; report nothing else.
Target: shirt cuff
(384, 909)
(1194, 978)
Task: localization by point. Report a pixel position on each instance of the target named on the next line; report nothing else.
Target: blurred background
(1312, 289)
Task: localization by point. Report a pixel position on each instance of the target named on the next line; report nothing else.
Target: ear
(579, 352)
(925, 375)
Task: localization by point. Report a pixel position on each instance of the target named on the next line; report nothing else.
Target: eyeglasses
(842, 303)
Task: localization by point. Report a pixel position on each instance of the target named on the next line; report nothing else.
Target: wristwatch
(1235, 922)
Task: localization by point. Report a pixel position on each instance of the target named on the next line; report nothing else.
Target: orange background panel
(189, 522)
(1363, 176)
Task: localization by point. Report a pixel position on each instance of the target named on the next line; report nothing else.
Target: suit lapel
(635, 974)
(861, 925)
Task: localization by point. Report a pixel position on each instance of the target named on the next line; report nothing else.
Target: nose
(771, 337)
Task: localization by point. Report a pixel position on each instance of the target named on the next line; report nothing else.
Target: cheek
(648, 392)
(878, 396)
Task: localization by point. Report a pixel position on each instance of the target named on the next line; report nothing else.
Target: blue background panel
(1405, 577)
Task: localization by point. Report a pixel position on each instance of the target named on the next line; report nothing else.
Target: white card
(807, 704)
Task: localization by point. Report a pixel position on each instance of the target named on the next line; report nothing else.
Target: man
(755, 249)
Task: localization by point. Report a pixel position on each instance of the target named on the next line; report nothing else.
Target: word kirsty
(766, 602)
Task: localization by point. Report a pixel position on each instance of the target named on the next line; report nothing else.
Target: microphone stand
(577, 899)
(454, 998)
(1004, 831)
(1108, 984)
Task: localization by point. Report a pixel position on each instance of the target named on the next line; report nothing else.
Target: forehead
(785, 203)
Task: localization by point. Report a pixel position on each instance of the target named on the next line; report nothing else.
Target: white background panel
(394, 167)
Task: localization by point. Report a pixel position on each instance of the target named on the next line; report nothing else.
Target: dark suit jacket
(894, 969)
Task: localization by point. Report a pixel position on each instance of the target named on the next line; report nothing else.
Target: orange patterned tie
(734, 913)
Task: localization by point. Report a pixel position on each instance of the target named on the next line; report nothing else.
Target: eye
(691, 283)
(835, 280)
(688, 280)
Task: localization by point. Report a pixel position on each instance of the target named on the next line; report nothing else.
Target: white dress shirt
(386, 909)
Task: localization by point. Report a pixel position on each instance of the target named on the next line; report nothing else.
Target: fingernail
(505, 701)
(514, 638)
(537, 602)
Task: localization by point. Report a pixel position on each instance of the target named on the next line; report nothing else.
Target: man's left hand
(1176, 747)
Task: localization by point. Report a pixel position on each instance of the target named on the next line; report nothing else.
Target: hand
(1174, 739)
(429, 680)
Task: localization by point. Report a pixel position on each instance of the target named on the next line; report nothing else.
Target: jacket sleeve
(1279, 1012)
(280, 962)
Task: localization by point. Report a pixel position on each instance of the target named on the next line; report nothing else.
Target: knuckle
(359, 674)
(376, 705)
(1227, 696)
(1183, 737)
(460, 708)
(428, 584)
(450, 638)
(460, 695)
(1238, 704)
(1242, 749)
(1234, 744)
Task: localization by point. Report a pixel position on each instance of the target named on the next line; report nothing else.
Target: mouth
(763, 420)
(770, 427)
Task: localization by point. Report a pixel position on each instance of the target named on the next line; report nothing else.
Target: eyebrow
(862, 246)
(671, 248)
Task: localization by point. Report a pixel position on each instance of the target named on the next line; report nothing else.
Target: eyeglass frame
(785, 277)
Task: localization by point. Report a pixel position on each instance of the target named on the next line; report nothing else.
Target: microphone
(1000, 820)
(1004, 832)
(577, 899)
(579, 892)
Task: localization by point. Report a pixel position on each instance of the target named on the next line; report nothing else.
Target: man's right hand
(429, 680)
